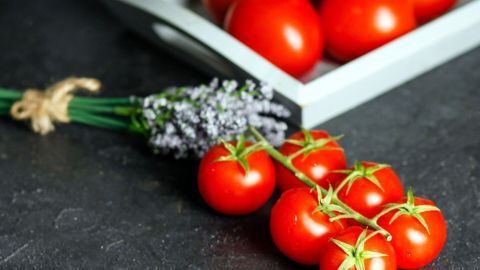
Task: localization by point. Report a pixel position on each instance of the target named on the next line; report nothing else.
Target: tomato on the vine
(217, 8)
(353, 28)
(426, 10)
(288, 33)
(418, 229)
(368, 186)
(320, 155)
(299, 227)
(236, 178)
(358, 248)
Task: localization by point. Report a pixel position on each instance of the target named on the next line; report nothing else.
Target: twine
(44, 108)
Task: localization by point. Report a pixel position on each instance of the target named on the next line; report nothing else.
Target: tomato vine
(346, 211)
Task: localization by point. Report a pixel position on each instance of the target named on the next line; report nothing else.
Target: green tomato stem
(285, 161)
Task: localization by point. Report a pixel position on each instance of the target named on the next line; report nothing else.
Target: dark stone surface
(84, 198)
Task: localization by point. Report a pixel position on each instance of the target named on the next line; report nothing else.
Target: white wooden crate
(330, 89)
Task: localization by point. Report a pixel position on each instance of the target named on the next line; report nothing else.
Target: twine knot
(44, 108)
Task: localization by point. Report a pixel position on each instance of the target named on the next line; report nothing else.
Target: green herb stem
(4, 111)
(5, 104)
(102, 109)
(96, 120)
(10, 94)
(100, 101)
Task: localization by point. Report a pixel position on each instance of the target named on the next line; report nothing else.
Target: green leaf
(329, 195)
(232, 149)
(425, 208)
(324, 203)
(306, 152)
(244, 163)
(318, 209)
(240, 143)
(351, 178)
(399, 213)
(309, 144)
(319, 194)
(356, 254)
(343, 171)
(422, 221)
(347, 263)
(346, 248)
(369, 174)
(225, 158)
(359, 264)
(295, 142)
(372, 178)
(377, 167)
(331, 148)
(245, 152)
(372, 254)
(362, 238)
(337, 138)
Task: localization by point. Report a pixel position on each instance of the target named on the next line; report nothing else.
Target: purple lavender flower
(190, 120)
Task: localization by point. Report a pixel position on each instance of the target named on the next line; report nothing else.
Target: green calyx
(360, 172)
(356, 255)
(310, 144)
(325, 204)
(240, 152)
(409, 208)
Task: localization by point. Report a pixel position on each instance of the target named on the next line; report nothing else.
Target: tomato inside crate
(327, 63)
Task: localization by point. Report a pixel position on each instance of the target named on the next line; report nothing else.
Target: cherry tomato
(356, 247)
(369, 186)
(235, 182)
(426, 10)
(414, 245)
(217, 8)
(353, 28)
(316, 164)
(298, 231)
(287, 33)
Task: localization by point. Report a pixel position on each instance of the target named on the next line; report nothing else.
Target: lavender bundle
(181, 121)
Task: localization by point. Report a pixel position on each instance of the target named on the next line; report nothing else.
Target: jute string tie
(44, 108)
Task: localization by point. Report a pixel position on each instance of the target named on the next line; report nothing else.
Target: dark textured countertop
(85, 198)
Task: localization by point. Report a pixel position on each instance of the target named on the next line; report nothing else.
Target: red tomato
(297, 231)
(365, 195)
(375, 254)
(414, 245)
(426, 10)
(353, 28)
(217, 8)
(226, 187)
(287, 33)
(317, 164)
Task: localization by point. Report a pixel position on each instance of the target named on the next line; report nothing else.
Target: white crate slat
(330, 90)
